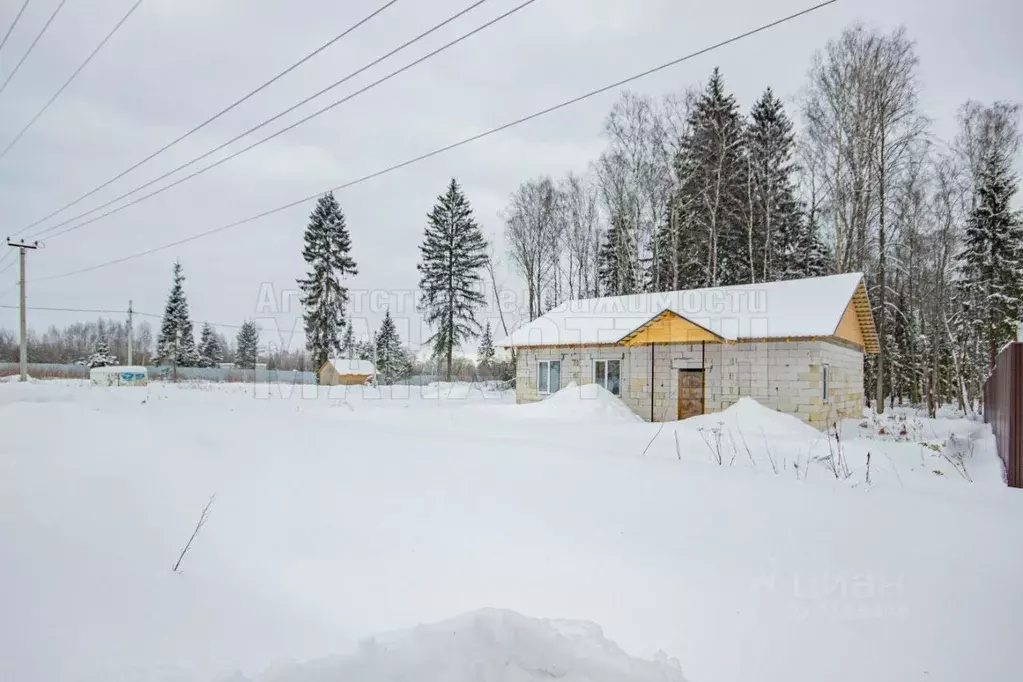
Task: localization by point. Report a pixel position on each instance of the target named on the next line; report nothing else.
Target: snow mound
(583, 403)
(490, 645)
(753, 419)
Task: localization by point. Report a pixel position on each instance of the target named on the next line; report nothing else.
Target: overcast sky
(176, 62)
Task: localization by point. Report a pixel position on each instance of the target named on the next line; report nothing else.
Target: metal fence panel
(1003, 409)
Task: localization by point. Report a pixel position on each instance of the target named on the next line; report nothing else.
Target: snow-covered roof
(792, 308)
(346, 366)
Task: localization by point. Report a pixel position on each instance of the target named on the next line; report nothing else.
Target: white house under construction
(796, 346)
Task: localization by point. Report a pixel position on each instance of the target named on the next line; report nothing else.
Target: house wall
(785, 376)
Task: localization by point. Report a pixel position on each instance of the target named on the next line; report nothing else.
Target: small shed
(346, 372)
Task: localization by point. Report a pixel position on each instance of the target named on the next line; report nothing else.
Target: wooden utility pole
(129, 334)
(23, 352)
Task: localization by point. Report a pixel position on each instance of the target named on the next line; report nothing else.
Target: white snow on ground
(359, 511)
(489, 644)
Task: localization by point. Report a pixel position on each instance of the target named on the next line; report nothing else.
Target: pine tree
(247, 351)
(390, 356)
(211, 353)
(102, 357)
(485, 353)
(327, 250)
(453, 253)
(176, 343)
(991, 263)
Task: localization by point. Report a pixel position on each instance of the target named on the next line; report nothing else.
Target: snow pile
(897, 448)
(492, 645)
(755, 421)
(588, 402)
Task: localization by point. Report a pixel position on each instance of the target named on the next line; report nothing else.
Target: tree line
(79, 341)
(691, 192)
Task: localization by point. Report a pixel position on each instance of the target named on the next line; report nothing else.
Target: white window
(608, 373)
(548, 379)
(826, 382)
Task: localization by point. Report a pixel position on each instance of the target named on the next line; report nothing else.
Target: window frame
(540, 370)
(826, 382)
(604, 385)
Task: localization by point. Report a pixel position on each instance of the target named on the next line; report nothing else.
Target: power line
(277, 116)
(68, 81)
(14, 23)
(106, 311)
(32, 46)
(213, 118)
(67, 310)
(449, 147)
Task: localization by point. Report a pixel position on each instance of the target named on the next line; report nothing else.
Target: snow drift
(588, 402)
(752, 418)
(490, 644)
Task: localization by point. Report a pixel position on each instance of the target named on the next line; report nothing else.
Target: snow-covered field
(744, 546)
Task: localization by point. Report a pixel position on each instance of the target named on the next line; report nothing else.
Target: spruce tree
(247, 346)
(773, 211)
(348, 342)
(991, 263)
(211, 353)
(102, 357)
(814, 254)
(327, 250)
(452, 255)
(714, 172)
(485, 352)
(365, 350)
(176, 343)
(390, 356)
(616, 265)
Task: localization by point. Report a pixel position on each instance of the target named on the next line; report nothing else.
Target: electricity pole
(23, 353)
(129, 333)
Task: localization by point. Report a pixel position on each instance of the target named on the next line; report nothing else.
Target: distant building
(795, 346)
(346, 372)
(225, 365)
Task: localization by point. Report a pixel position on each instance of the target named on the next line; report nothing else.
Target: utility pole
(23, 353)
(129, 333)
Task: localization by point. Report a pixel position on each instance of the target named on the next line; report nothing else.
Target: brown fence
(1003, 409)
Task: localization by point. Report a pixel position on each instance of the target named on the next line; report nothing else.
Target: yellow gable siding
(849, 328)
(670, 328)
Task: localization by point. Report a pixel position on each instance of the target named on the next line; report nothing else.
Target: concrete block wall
(785, 376)
(845, 367)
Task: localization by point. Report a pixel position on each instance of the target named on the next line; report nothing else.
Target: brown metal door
(690, 393)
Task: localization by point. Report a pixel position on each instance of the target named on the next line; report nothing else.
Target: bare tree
(533, 234)
(580, 217)
(862, 123)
